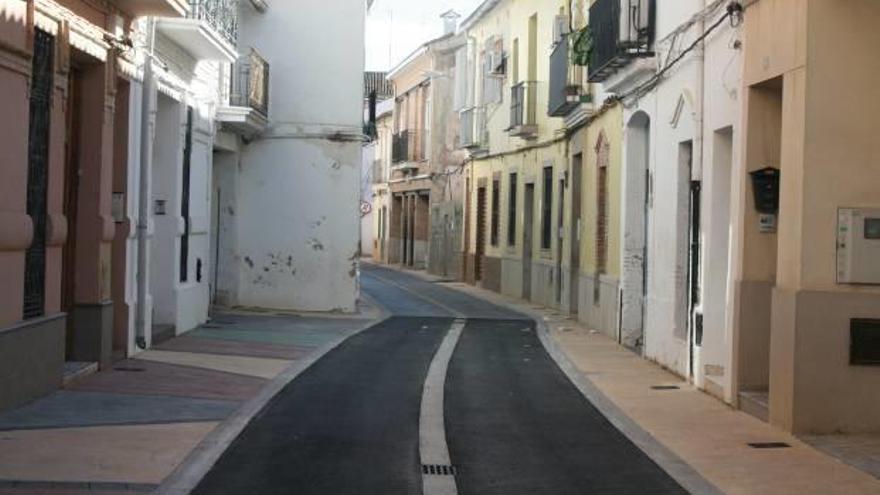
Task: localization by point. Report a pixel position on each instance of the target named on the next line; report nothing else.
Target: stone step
(77, 370)
(755, 403)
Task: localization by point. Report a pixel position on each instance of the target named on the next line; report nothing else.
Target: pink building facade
(65, 100)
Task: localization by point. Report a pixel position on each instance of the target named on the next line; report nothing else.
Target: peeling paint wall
(297, 222)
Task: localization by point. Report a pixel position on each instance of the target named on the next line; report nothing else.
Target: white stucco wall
(695, 99)
(298, 184)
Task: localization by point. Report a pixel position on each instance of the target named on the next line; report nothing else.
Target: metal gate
(38, 172)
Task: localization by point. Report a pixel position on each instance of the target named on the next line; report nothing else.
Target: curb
(189, 473)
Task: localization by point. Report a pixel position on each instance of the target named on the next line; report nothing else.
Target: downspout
(701, 99)
(148, 108)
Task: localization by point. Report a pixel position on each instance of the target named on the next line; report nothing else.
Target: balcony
(400, 147)
(523, 114)
(378, 172)
(209, 32)
(410, 147)
(248, 110)
(622, 30)
(158, 8)
(472, 126)
(565, 87)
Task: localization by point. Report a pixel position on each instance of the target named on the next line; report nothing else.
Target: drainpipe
(701, 99)
(148, 108)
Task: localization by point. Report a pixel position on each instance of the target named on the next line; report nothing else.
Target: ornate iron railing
(221, 15)
(250, 83)
(38, 172)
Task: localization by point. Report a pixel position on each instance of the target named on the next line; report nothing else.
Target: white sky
(397, 27)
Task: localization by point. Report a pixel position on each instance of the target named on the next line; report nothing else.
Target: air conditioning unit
(497, 63)
(635, 21)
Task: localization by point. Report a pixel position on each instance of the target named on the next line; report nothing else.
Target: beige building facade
(806, 298)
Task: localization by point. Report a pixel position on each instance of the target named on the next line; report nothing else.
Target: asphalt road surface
(514, 424)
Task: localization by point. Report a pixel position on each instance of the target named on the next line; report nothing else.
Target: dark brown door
(574, 289)
(71, 188)
(528, 239)
(481, 234)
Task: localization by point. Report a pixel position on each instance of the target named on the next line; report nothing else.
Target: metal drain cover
(665, 387)
(769, 445)
(438, 469)
(128, 369)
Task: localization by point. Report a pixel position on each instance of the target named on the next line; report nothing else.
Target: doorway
(759, 252)
(480, 251)
(560, 218)
(577, 164)
(528, 239)
(637, 205)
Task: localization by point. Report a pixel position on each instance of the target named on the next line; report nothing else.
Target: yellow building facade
(517, 179)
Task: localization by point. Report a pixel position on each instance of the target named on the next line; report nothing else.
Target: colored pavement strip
(125, 429)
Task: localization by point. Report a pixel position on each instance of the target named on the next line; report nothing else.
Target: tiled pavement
(124, 430)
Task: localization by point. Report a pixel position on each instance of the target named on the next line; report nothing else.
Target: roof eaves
(478, 14)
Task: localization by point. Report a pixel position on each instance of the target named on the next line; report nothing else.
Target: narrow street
(514, 424)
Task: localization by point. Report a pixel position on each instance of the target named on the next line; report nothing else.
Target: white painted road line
(433, 449)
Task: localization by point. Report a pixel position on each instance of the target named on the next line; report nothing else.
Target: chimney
(450, 21)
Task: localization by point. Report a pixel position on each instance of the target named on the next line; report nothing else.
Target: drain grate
(129, 369)
(438, 469)
(769, 445)
(665, 387)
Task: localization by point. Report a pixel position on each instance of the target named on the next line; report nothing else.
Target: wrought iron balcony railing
(249, 84)
(563, 89)
(400, 147)
(221, 15)
(411, 145)
(523, 105)
(467, 129)
(621, 30)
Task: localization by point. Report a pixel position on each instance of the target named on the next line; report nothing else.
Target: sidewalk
(126, 429)
(708, 435)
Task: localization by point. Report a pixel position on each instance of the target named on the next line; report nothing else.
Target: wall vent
(864, 344)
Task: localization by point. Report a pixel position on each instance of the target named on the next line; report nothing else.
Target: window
(511, 210)
(496, 207)
(547, 209)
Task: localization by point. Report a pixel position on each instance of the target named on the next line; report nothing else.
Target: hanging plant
(583, 47)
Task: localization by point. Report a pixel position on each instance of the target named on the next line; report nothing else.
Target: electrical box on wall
(858, 246)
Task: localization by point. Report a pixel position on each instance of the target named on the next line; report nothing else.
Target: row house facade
(421, 229)
(674, 175)
(112, 234)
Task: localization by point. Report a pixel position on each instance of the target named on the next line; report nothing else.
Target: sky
(397, 27)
